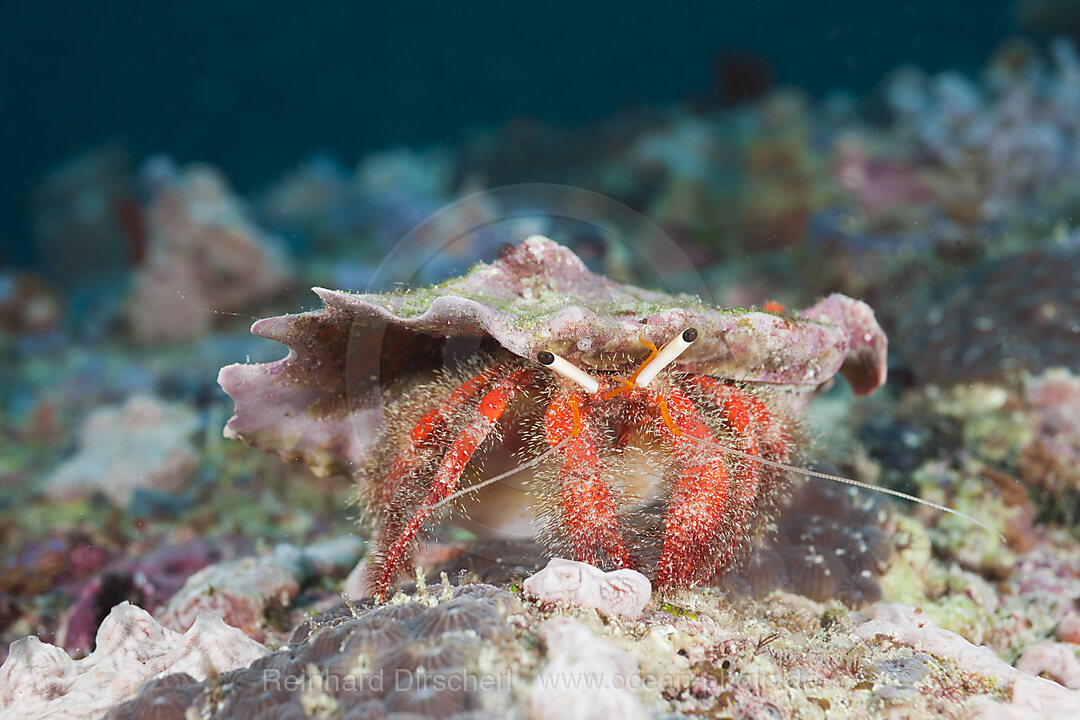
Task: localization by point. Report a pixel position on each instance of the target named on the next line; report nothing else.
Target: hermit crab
(626, 427)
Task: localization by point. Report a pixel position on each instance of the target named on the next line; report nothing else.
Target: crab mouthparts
(652, 366)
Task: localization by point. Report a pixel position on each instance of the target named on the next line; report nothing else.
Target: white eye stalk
(667, 355)
(568, 371)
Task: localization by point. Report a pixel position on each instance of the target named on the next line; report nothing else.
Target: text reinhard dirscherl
(437, 680)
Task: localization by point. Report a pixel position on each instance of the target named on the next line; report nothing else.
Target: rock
(141, 444)
(584, 678)
(912, 627)
(620, 592)
(39, 680)
(242, 591)
(1068, 630)
(204, 256)
(1056, 660)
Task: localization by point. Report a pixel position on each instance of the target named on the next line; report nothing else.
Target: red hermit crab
(588, 419)
(653, 425)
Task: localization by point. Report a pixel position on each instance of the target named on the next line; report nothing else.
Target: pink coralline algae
(311, 405)
(1058, 661)
(146, 580)
(203, 255)
(1050, 461)
(619, 592)
(41, 681)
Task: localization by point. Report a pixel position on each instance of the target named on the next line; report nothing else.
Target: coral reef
(993, 321)
(42, 681)
(486, 652)
(1050, 460)
(1057, 661)
(1030, 694)
(145, 580)
(831, 542)
(85, 214)
(1016, 131)
(945, 201)
(144, 443)
(28, 306)
(435, 655)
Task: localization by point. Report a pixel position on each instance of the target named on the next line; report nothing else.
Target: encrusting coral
(41, 681)
(438, 654)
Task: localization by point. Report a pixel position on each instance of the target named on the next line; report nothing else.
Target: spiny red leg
(453, 463)
(750, 419)
(698, 517)
(418, 448)
(738, 409)
(588, 505)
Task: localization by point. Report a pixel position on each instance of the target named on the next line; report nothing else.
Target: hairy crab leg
(453, 463)
(749, 418)
(744, 415)
(699, 512)
(436, 421)
(587, 502)
(773, 441)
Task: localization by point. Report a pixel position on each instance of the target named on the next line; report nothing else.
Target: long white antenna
(528, 464)
(845, 481)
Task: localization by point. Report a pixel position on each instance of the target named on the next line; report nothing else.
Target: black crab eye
(689, 335)
(545, 357)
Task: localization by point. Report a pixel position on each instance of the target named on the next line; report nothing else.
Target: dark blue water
(254, 87)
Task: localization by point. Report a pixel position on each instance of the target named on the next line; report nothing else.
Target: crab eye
(667, 355)
(567, 370)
